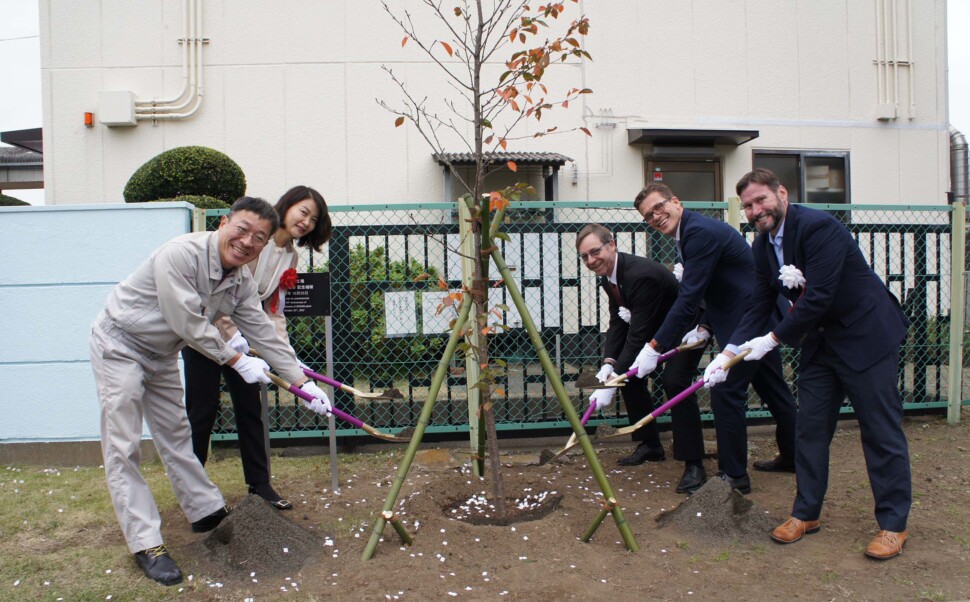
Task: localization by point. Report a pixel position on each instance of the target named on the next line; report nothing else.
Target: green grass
(59, 538)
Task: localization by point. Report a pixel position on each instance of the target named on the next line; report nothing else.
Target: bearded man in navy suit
(849, 327)
(718, 272)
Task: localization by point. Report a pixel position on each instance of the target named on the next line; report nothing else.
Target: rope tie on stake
(390, 517)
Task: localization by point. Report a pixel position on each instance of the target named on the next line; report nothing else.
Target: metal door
(693, 180)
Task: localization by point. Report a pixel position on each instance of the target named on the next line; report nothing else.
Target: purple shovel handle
(587, 414)
(694, 387)
(678, 398)
(325, 379)
(338, 413)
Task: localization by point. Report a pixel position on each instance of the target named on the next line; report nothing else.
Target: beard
(770, 218)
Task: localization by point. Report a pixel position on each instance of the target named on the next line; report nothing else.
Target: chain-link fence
(387, 328)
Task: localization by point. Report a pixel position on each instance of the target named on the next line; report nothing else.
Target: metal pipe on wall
(195, 98)
(185, 64)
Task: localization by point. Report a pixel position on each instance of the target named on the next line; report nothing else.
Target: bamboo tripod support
(564, 401)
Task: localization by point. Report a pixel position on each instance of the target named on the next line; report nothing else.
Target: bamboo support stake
(423, 419)
(553, 375)
(607, 508)
(476, 432)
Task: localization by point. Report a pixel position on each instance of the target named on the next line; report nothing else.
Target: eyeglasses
(594, 253)
(656, 211)
(258, 239)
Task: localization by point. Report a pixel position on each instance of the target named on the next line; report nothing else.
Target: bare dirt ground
(543, 559)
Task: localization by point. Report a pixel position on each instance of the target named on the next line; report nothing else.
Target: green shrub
(200, 201)
(9, 201)
(187, 170)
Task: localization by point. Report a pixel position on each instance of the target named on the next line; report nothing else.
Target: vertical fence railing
(386, 262)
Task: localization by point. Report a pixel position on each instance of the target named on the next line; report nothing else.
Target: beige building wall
(290, 89)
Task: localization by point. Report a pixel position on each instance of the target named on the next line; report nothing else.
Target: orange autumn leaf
(404, 41)
(500, 391)
(442, 284)
(512, 166)
(503, 143)
(585, 131)
(447, 48)
(398, 122)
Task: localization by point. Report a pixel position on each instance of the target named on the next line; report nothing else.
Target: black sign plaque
(310, 296)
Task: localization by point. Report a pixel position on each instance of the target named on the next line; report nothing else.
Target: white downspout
(185, 65)
(198, 40)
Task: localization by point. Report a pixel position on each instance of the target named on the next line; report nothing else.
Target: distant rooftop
(502, 157)
(19, 156)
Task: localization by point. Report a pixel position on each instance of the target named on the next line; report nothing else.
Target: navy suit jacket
(843, 303)
(718, 271)
(648, 289)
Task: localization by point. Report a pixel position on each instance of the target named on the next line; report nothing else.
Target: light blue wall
(57, 266)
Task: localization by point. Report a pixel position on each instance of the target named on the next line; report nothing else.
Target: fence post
(198, 220)
(958, 240)
(734, 213)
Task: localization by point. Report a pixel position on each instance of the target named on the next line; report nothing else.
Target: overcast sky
(20, 100)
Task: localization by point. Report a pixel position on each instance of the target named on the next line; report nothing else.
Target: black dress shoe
(158, 565)
(210, 522)
(742, 484)
(266, 491)
(643, 453)
(694, 477)
(778, 464)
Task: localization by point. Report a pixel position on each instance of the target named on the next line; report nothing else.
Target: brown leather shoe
(886, 544)
(792, 530)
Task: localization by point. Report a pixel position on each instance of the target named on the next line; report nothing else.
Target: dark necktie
(616, 294)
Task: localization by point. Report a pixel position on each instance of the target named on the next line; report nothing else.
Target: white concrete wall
(290, 93)
(59, 264)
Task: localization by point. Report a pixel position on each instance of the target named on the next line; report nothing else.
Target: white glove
(602, 398)
(252, 369)
(646, 360)
(696, 336)
(321, 403)
(759, 346)
(624, 314)
(715, 372)
(678, 271)
(605, 373)
(238, 343)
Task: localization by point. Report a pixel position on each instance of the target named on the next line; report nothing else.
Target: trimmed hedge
(187, 171)
(200, 201)
(9, 201)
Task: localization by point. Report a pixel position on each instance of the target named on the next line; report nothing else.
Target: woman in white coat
(304, 222)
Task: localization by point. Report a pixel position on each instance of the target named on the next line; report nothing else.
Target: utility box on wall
(117, 108)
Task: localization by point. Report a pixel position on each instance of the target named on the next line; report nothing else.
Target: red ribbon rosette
(287, 281)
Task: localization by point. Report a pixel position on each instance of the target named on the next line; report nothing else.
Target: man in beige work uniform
(170, 301)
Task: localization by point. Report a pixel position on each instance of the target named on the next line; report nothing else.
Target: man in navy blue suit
(849, 327)
(718, 271)
(640, 292)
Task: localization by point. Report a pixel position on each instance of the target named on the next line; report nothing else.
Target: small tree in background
(187, 171)
(475, 40)
(9, 201)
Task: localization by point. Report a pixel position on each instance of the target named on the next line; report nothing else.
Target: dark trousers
(874, 394)
(673, 376)
(729, 400)
(202, 404)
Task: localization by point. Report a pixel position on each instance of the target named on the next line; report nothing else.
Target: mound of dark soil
(717, 514)
(256, 537)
